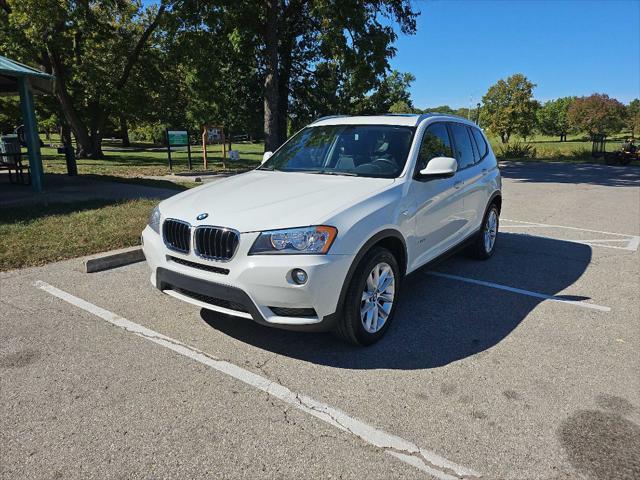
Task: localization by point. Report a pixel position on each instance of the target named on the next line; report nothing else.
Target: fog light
(299, 276)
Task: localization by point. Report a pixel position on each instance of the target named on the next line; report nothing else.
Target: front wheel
(371, 299)
(485, 242)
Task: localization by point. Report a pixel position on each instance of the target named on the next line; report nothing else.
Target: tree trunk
(97, 122)
(65, 134)
(124, 131)
(284, 77)
(283, 110)
(271, 93)
(84, 146)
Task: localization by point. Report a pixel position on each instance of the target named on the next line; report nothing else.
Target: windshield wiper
(269, 168)
(329, 172)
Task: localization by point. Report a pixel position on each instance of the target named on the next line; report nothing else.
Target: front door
(438, 202)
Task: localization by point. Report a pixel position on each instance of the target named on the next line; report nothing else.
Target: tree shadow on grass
(439, 320)
(28, 213)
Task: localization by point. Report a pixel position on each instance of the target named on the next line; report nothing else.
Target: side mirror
(266, 156)
(439, 167)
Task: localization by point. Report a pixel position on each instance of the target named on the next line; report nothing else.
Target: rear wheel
(371, 299)
(485, 242)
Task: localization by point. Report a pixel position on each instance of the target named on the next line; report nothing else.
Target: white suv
(321, 235)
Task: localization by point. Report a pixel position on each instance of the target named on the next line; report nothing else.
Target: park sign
(177, 138)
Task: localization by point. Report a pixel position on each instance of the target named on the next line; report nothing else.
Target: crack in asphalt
(415, 452)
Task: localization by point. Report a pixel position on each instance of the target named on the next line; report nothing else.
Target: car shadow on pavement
(559, 172)
(439, 320)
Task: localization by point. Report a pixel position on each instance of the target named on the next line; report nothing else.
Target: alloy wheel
(377, 297)
(490, 230)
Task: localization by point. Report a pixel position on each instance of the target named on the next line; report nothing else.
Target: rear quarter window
(480, 142)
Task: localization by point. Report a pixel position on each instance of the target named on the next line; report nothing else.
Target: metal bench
(11, 160)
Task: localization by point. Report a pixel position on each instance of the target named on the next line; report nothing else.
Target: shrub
(517, 150)
(148, 133)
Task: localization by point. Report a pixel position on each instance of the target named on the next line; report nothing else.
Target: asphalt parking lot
(522, 367)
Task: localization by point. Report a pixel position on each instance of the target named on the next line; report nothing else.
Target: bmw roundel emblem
(202, 216)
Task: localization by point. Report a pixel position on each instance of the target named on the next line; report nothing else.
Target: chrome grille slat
(215, 243)
(177, 235)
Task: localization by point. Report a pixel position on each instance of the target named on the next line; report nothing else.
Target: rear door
(469, 176)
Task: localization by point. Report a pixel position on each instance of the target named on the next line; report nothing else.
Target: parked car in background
(322, 234)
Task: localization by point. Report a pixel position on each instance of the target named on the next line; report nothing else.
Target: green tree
(553, 119)
(633, 116)
(400, 107)
(90, 46)
(392, 93)
(445, 109)
(508, 107)
(597, 114)
(296, 40)
(10, 116)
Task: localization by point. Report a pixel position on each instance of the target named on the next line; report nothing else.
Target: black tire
(349, 326)
(478, 249)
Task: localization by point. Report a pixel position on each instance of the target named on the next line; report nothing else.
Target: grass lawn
(34, 235)
(577, 148)
(132, 163)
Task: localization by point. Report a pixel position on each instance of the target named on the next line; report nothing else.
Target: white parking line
(633, 241)
(404, 450)
(528, 293)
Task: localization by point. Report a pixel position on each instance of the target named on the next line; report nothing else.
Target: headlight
(154, 220)
(316, 240)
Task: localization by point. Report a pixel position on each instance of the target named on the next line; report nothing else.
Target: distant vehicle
(322, 234)
(627, 153)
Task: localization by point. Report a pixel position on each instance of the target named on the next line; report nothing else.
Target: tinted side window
(435, 143)
(462, 141)
(476, 153)
(480, 141)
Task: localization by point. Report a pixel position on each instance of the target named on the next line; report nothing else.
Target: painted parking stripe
(633, 241)
(404, 450)
(520, 291)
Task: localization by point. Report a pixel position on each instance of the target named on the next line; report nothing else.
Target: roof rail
(439, 114)
(327, 117)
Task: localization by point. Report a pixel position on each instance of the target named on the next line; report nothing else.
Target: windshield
(358, 150)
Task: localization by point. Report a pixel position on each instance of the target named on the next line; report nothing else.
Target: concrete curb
(112, 259)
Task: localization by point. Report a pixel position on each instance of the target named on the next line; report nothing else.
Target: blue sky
(565, 47)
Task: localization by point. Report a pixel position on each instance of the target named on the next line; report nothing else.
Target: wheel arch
(390, 239)
(494, 199)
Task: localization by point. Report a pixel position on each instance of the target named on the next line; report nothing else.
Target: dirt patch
(602, 445)
(18, 359)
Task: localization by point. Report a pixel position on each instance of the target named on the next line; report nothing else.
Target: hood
(267, 200)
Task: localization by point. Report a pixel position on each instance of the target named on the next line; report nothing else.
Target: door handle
(484, 171)
(458, 184)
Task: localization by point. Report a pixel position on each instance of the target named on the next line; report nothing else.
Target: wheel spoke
(368, 320)
(374, 321)
(376, 301)
(386, 297)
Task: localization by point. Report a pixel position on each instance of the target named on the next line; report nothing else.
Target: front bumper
(252, 286)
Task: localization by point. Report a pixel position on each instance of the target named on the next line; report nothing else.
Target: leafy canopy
(508, 107)
(597, 114)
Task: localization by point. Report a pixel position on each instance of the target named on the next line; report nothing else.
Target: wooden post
(169, 150)
(224, 148)
(204, 146)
